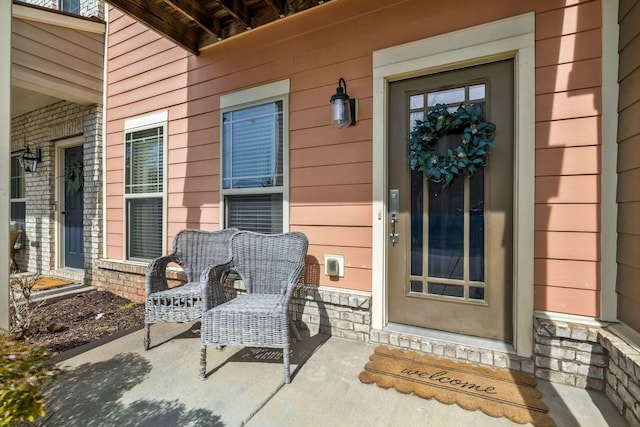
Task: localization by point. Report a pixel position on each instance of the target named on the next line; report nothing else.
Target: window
(71, 6)
(254, 161)
(144, 190)
(18, 200)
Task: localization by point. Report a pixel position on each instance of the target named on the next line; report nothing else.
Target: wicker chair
(271, 267)
(196, 252)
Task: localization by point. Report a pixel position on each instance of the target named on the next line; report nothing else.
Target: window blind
(144, 161)
(261, 213)
(252, 147)
(144, 217)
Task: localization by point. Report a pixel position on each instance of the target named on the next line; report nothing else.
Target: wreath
(466, 158)
(73, 176)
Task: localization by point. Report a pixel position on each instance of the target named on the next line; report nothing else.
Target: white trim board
(609, 153)
(507, 38)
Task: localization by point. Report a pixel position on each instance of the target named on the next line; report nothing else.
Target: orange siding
(568, 161)
(567, 274)
(568, 133)
(567, 217)
(331, 170)
(568, 108)
(567, 300)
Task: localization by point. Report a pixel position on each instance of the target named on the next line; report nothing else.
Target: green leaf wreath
(477, 137)
(73, 176)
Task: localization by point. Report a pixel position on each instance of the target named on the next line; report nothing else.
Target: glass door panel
(450, 238)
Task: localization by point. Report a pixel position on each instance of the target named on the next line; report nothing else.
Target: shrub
(23, 307)
(25, 370)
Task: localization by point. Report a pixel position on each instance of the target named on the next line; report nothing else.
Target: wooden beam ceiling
(198, 14)
(195, 24)
(149, 13)
(238, 9)
(278, 6)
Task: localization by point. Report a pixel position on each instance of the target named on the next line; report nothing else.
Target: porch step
(62, 292)
(75, 274)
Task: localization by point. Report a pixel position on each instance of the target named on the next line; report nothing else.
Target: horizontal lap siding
(68, 63)
(628, 286)
(568, 159)
(331, 169)
(146, 74)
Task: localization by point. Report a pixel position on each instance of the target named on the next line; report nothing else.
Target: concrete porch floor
(120, 384)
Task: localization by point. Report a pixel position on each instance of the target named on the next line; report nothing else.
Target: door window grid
(454, 271)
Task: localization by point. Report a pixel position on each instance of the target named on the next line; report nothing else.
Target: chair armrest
(291, 286)
(293, 281)
(156, 274)
(212, 284)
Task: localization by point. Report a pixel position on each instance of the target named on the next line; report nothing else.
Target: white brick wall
(42, 128)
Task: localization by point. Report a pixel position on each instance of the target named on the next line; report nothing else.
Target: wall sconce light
(343, 108)
(29, 160)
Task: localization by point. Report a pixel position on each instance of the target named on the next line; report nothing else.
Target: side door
(73, 209)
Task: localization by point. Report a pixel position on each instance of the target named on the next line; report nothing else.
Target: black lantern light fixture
(29, 160)
(343, 108)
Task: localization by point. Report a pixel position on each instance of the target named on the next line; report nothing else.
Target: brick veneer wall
(127, 279)
(580, 355)
(590, 357)
(569, 353)
(622, 376)
(42, 129)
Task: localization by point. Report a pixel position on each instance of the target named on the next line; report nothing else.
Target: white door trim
(507, 38)
(60, 146)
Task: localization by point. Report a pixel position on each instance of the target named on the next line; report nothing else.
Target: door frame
(60, 148)
(506, 38)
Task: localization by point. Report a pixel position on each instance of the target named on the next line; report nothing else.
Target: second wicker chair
(270, 267)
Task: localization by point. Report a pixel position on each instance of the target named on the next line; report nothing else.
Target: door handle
(394, 214)
(393, 236)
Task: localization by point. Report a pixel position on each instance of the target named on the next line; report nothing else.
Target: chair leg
(295, 330)
(147, 338)
(203, 362)
(285, 358)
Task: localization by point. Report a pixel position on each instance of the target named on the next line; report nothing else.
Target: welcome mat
(47, 283)
(50, 282)
(497, 393)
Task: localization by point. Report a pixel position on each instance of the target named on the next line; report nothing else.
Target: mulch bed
(69, 323)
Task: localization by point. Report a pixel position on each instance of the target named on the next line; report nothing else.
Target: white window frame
(150, 121)
(14, 157)
(277, 91)
(60, 8)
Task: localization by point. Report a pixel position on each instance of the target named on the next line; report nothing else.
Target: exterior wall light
(29, 160)
(343, 108)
